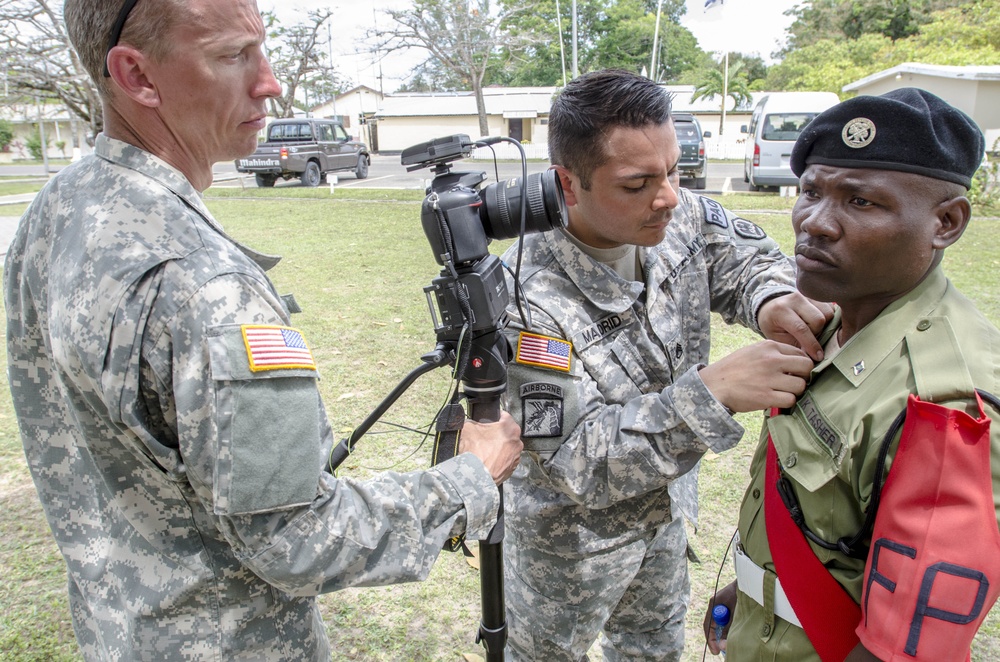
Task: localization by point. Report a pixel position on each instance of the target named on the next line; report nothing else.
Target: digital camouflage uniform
(183, 488)
(932, 342)
(594, 537)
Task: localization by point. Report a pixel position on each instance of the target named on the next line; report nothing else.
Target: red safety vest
(933, 570)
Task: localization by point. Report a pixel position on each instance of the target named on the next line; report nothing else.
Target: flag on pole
(712, 3)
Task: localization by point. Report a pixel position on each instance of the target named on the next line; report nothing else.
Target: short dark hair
(592, 104)
(89, 24)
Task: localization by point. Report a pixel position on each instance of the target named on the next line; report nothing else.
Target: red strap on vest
(827, 613)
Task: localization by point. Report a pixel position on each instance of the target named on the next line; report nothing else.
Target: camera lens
(546, 208)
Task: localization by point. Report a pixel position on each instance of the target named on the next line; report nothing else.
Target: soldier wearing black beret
(883, 541)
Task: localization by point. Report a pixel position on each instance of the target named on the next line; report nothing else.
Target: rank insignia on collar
(859, 368)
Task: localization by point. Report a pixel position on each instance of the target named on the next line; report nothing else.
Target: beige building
(403, 120)
(973, 89)
(353, 108)
(65, 135)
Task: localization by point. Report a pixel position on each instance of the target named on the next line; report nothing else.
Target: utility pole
(562, 50)
(725, 91)
(576, 68)
(329, 41)
(41, 136)
(656, 41)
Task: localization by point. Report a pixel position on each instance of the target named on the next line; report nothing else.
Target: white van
(776, 122)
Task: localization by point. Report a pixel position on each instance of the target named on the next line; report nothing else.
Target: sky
(753, 27)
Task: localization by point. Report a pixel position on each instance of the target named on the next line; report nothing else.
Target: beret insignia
(859, 132)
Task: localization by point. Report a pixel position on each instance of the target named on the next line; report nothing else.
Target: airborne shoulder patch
(542, 410)
(276, 348)
(543, 351)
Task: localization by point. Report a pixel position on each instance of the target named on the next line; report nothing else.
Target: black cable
(715, 590)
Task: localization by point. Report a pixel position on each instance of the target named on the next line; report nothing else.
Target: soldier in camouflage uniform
(610, 382)
(170, 415)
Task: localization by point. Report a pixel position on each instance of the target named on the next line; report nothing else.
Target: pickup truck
(306, 148)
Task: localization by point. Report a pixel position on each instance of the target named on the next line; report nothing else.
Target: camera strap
(449, 424)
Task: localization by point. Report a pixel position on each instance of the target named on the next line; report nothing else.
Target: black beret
(908, 129)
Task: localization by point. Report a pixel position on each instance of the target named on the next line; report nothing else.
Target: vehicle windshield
(785, 126)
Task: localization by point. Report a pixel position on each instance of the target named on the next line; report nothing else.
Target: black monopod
(468, 303)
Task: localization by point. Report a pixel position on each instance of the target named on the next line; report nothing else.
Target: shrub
(34, 145)
(985, 191)
(6, 135)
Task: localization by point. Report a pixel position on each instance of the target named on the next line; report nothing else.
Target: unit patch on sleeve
(748, 229)
(543, 351)
(276, 348)
(714, 212)
(542, 407)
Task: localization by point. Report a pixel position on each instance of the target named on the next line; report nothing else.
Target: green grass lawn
(357, 262)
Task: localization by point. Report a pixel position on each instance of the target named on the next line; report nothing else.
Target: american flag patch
(276, 348)
(533, 349)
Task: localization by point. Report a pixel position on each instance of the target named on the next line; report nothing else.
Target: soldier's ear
(129, 69)
(570, 184)
(952, 218)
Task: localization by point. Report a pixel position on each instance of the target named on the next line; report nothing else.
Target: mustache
(813, 252)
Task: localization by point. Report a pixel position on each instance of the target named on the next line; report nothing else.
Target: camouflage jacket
(180, 470)
(617, 436)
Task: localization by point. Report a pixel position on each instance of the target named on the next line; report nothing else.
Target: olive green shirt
(932, 342)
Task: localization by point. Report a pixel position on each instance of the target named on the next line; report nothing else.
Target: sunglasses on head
(116, 32)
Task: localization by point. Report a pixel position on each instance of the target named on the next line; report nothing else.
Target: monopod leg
(493, 626)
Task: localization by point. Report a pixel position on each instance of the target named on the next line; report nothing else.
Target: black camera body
(460, 219)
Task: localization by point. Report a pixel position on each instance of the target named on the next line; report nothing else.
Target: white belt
(750, 580)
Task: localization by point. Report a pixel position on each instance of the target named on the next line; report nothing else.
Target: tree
(817, 20)
(829, 64)
(41, 63)
(610, 33)
(432, 76)
(299, 63)
(726, 82)
(6, 134)
(464, 36)
(753, 67)
(965, 35)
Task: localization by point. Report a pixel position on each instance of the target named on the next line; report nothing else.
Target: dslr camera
(460, 218)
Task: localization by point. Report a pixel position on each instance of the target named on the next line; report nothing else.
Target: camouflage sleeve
(600, 452)
(251, 433)
(746, 267)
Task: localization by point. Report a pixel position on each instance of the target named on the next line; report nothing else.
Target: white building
(352, 108)
(403, 120)
(65, 135)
